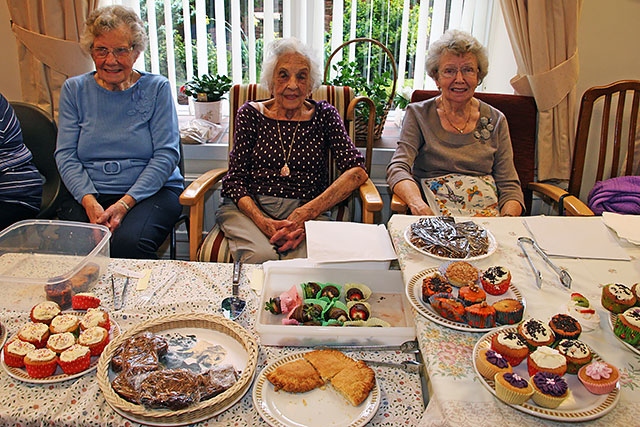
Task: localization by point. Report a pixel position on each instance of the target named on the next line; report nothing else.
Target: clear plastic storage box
(50, 259)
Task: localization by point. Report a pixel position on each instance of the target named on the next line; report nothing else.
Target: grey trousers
(246, 241)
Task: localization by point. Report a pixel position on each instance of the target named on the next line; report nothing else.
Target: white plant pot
(210, 111)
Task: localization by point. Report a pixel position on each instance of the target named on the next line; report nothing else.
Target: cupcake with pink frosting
(599, 377)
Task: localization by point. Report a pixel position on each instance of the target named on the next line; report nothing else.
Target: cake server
(233, 306)
(407, 365)
(405, 347)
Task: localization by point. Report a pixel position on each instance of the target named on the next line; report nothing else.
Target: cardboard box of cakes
(50, 259)
(379, 316)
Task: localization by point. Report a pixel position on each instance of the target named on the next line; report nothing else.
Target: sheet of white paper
(575, 238)
(627, 226)
(335, 241)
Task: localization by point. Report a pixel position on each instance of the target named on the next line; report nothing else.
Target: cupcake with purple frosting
(490, 362)
(549, 390)
(512, 388)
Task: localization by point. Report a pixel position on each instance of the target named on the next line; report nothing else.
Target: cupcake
(447, 306)
(496, 280)
(35, 333)
(580, 309)
(84, 301)
(635, 290)
(61, 342)
(512, 388)
(599, 377)
(95, 317)
(546, 359)
(472, 294)
(76, 358)
(565, 326)
(44, 312)
(511, 346)
(96, 338)
(64, 323)
(549, 390)
(40, 363)
(435, 284)
(481, 315)
(627, 326)
(576, 352)
(617, 298)
(509, 311)
(461, 273)
(490, 363)
(14, 352)
(536, 333)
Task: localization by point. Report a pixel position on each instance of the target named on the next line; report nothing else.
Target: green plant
(207, 87)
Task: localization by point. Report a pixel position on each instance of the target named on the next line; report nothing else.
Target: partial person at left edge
(20, 181)
(118, 140)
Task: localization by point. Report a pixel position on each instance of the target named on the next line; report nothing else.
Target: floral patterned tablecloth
(197, 287)
(457, 396)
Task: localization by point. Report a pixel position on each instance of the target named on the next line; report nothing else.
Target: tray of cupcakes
(542, 368)
(623, 304)
(56, 345)
(461, 296)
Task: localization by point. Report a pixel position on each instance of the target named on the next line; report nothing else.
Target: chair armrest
(193, 196)
(549, 190)
(371, 201)
(576, 207)
(398, 205)
(569, 204)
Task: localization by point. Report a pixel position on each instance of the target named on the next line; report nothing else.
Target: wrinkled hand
(287, 235)
(112, 216)
(421, 210)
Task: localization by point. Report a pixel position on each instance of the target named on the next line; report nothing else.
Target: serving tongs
(118, 302)
(563, 274)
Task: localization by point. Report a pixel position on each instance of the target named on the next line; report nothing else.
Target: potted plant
(207, 91)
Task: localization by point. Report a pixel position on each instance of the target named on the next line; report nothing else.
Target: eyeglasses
(118, 52)
(450, 73)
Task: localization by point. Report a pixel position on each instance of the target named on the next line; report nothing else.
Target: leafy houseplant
(207, 88)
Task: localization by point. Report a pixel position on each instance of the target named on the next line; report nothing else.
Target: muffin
(509, 311)
(617, 298)
(435, 284)
(61, 342)
(35, 333)
(576, 352)
(536, 333)
(635, 290)
(472, 294)
(496, 280)
(461, 273)
(599, 377)
(14, 352)
(546, 359)
(40, 363)
(489, 363)
(44, 312)
(76, 358)
(627, 326)
(96, 338)
(84, 301)
(447, 306)
(549, 390)
(565, 326)
(481, 315)
(64, 323)
(511, 346)
(512, 388)
(95, 317)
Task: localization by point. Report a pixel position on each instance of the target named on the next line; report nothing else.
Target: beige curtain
(47, 33)
(543, 35)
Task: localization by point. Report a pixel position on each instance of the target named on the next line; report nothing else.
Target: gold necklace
(446, 116)
(284, 171)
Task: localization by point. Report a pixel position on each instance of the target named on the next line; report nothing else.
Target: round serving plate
(582, 405)
(241, 349)
(414, 294)
(58, 375)
(612, 322)
(316, 408)
(493, 245)
(3, 334)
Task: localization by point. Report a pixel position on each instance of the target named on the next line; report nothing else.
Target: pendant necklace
(284, 171)
(446, 116)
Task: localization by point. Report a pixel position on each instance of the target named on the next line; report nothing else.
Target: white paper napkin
(337, 241)
(575, 237)
(627, 226)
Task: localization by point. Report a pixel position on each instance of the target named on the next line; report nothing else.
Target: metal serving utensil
(407, 365)
(565, 277)
(405, 347)
(233, 306)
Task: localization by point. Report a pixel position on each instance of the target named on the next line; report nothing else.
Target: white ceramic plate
(493, 245)
(414, 294)
(612, 321)
(58, 375)
(317, 408)
(3, 334)
(581, 405)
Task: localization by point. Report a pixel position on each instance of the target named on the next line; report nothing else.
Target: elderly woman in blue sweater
(118, 140)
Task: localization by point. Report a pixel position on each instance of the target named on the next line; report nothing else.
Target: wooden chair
(213, 247)
(605, 155)
(522, 115)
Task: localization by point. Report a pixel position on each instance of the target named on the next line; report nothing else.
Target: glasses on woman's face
(451, 72)
(118, 52)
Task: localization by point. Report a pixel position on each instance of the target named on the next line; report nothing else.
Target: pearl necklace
(285, 171)
(446, 116)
